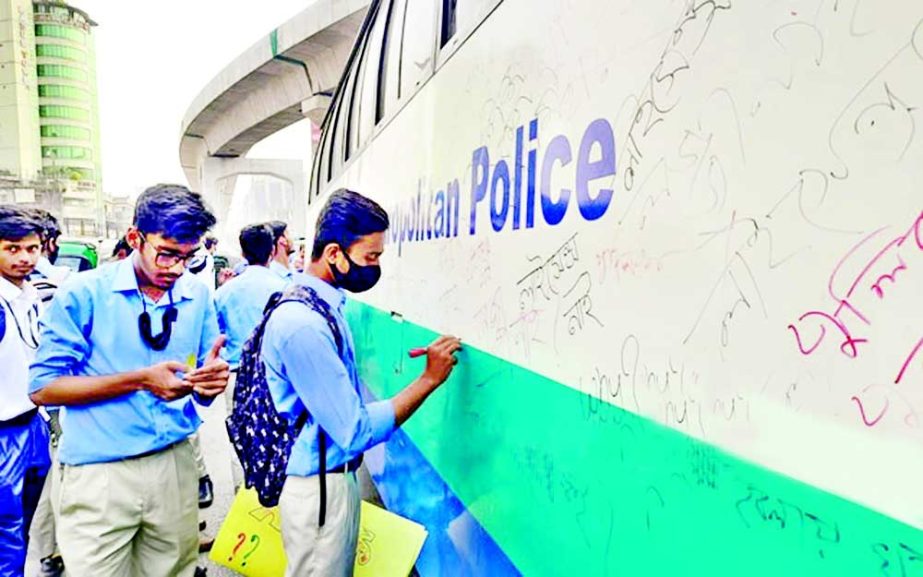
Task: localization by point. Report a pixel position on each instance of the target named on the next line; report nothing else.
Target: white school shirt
(21, 309)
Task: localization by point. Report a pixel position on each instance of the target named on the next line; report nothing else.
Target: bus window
(448, 21)
(362, 116)
(341, 128)
(323, 153)
(390, 58)
(316, 171)
(352, 130)
(459, 17)
(368, 102)
(325, 165)
(417, 45)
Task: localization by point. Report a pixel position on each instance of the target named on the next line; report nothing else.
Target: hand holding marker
(419, 352)
(444, 346)
(440, 361)
(441, 346)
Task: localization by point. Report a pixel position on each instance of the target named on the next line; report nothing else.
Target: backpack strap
(322, 475)
(307, 296)
(320, 306)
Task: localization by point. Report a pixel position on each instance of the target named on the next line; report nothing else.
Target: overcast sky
(152, 60)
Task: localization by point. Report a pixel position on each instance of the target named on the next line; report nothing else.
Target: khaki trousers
(42, 533)
(329, 551)
(137, 517)
(198, 455)
(237, 472)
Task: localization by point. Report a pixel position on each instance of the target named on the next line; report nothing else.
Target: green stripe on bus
(569, 491)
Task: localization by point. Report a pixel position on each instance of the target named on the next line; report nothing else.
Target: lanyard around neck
(160, 341)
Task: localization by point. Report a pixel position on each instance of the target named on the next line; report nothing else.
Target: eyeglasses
(164, 259)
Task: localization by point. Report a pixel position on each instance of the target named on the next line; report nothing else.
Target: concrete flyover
(287, 76)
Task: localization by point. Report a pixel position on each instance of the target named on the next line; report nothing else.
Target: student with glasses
(24, 458)
(168, 260)
(126, 349)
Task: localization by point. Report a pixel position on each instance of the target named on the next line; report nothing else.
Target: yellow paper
(191, 361)
(250, 541)
(388, 544)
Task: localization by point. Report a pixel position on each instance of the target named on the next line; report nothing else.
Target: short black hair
(345, 218)
(122, 244)
(278, 229)
(18, 223)
(173, 211)
(210, 241)
(51, 229)
(256, 243)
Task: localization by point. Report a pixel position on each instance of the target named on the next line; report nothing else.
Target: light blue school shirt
(285, 273)
(240, 303)
(303, 370)
(91, 329)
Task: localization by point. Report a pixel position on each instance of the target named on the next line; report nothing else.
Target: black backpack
(262, 438)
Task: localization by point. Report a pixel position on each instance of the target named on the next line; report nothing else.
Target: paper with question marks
(388, 544)
(250, 541)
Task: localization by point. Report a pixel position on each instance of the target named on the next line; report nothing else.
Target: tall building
(49, 117)
(20, 149)
(68, 111)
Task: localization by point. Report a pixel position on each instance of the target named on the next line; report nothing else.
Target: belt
(20, 420)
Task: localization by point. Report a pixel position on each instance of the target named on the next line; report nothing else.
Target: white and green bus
(683, 243)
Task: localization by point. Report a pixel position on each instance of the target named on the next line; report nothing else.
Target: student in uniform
(127, 349)
(46, 266)
(307, 374)
(240, 303)
(283, 248)
(24, 459)
(46, 279)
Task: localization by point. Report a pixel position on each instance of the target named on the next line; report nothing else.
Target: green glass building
(68, 112)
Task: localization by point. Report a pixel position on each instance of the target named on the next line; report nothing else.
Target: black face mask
(359, 278)
(157, 342)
